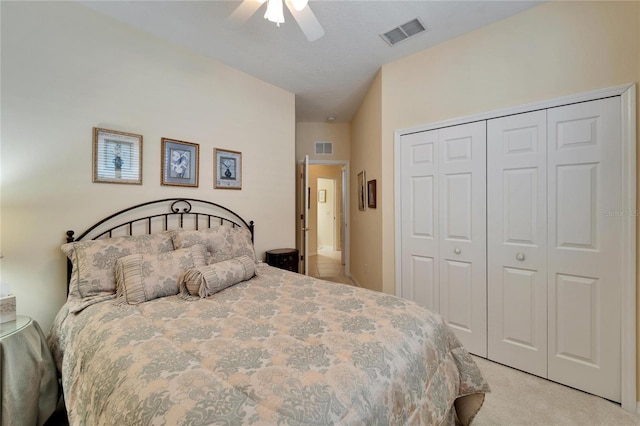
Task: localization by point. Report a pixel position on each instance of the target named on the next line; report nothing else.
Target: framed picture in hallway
(362, 194)
(117, 157)
(371, 194)
(227, 169)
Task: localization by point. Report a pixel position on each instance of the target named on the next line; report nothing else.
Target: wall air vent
(403, 32)
(324, 148)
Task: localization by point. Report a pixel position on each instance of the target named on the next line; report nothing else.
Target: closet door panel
(459, 292)
(420, 233)
(462, 230)
(457, 217)
(517, 276)
(584, 246)
(421, 281)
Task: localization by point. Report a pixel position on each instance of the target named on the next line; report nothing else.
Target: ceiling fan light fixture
(275, 12)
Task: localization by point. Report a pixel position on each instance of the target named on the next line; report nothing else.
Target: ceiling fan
(300, 10)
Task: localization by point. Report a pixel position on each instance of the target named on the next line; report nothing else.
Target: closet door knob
(457, 250)
(520, 256)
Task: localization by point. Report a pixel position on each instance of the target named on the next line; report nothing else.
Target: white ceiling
(329, 76)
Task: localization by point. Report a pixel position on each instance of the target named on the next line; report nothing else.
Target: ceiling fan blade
(243, 12)
(307, 20)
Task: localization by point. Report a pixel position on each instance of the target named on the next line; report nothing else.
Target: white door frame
(305, 215)
(345, 210)
(627, 92)
(344, 182)
(302, 227)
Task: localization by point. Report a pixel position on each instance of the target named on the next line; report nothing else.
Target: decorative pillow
(144, 277)
(93, 273)
(223, 242)
(213, 278)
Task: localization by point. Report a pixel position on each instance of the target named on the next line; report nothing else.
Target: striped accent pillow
(94, 261)
(207, 280)
(144, 277)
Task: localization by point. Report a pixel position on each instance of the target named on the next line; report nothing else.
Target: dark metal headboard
(160, 215)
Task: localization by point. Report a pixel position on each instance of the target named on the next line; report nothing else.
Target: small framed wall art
(117, 157)
(227, 168)
(179, 163)
(322, 196)
(371, 194)
(362, 192)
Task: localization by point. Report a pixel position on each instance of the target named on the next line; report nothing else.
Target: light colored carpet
(518, 398)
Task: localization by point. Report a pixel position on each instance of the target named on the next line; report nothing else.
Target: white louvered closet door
(584, 235)
(462, 231)
(420, 276)
(517, 241)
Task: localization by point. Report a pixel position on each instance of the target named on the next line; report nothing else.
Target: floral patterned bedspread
(280, 348)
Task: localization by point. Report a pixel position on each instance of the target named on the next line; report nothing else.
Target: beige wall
(66, 69)
(307, 133)
(637, 206)
(552, 50)
(366, 226)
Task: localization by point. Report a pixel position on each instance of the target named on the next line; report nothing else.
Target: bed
(170, 319)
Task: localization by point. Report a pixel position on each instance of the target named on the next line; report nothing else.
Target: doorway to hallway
(322, 210)
(326, 215)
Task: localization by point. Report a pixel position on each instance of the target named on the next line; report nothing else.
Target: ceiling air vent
(403, 32)
(324, 148)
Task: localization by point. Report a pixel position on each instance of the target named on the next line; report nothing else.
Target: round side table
(28, 377)
(7, 328)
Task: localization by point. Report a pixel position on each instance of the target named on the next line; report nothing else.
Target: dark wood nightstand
(285, 258)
